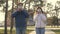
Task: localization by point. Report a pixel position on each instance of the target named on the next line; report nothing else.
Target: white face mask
(20, 7)
(39, 10)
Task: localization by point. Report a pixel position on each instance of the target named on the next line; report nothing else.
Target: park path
(46, 32)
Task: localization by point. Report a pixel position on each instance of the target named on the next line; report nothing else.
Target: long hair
(41, 9)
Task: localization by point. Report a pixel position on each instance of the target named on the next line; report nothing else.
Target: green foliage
(55, 20)
(2, 1)
(57, 31)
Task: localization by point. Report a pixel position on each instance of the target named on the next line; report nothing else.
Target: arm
(14, 14)
(44, 19)
(12, 18)
(34, 17)
(26, 14)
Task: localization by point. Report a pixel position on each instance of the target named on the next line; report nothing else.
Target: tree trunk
(5, 31)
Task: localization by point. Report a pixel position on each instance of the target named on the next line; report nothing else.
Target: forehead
(38, 9)
(20, 5)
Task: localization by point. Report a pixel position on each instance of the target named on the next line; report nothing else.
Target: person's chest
(20, 15)
(39, 17)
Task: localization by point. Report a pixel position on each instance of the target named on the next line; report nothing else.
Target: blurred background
(50, 7)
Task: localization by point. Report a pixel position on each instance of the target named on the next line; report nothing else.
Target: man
(20, 19)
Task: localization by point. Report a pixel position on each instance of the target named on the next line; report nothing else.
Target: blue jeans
(40, 30)
(21, 30)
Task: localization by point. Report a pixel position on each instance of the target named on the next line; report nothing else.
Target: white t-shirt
(40, 20)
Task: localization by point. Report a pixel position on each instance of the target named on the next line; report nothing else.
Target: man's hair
(20, 4)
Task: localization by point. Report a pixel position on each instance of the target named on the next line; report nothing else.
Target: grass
(14, 32)
(56, 31)
(28, 31)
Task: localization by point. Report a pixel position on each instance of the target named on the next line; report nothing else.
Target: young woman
(40, 21)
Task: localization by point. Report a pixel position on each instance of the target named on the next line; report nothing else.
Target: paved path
(45, 28)
(34, 28)
(46, 32)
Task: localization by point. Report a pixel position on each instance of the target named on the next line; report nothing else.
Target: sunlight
(2, 16)
(10, 3)
(51, 1)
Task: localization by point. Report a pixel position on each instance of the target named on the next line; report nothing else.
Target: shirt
(40, 20)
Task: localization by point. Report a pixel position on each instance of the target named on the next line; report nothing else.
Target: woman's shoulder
(42, 14)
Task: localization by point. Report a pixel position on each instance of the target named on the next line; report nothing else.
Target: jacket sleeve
(34, 17)
(44, 18)
(14, 14)
(26, 14)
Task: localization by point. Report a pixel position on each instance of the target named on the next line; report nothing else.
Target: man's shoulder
(14, 12)
(24, 10)
(42, 15)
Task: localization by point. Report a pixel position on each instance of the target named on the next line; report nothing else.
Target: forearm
(34, 18)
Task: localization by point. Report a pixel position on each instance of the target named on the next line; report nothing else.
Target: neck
(39, 13)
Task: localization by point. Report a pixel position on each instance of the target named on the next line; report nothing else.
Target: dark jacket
(20, 18)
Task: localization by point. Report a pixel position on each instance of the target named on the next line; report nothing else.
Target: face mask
(19, 7)
(38, 10)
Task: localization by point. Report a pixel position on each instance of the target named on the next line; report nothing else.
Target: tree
(57, 8)
(49, 8)
(2, 1)
(5, 32)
